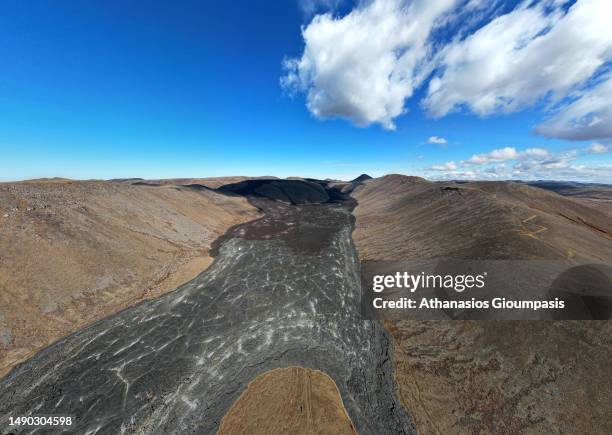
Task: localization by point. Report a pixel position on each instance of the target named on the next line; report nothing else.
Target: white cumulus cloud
(507, 153)
(364, 65)
(535, 153)
(498, 155)
(533, 53)
(520, 57)
(438, 140)
(448, 166)
(588, 117)
(598, 148)
(555, 55)
(529, 164)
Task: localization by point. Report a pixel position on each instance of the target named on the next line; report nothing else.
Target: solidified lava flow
(283, 290)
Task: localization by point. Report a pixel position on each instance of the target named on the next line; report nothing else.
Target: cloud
(498, 155)
(555, 55)
(519, 58)
(536, 153)
(311, 7)
(437, 140)
(363, 66)
(564, 171)
(598, 148)
(588, 117)
(448, 166)
(507, 153)
(529, 164)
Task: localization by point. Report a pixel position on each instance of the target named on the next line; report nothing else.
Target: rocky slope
(493, 376)
(72, 252)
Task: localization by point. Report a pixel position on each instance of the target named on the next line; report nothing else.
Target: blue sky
(161, 89)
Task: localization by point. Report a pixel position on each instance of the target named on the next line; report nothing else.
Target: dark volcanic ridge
(294, 192)
(361, 178)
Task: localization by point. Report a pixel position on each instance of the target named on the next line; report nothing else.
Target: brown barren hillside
(492, 376)
(591, 194)
(72, 252)
(292, 400)
(401, 217)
